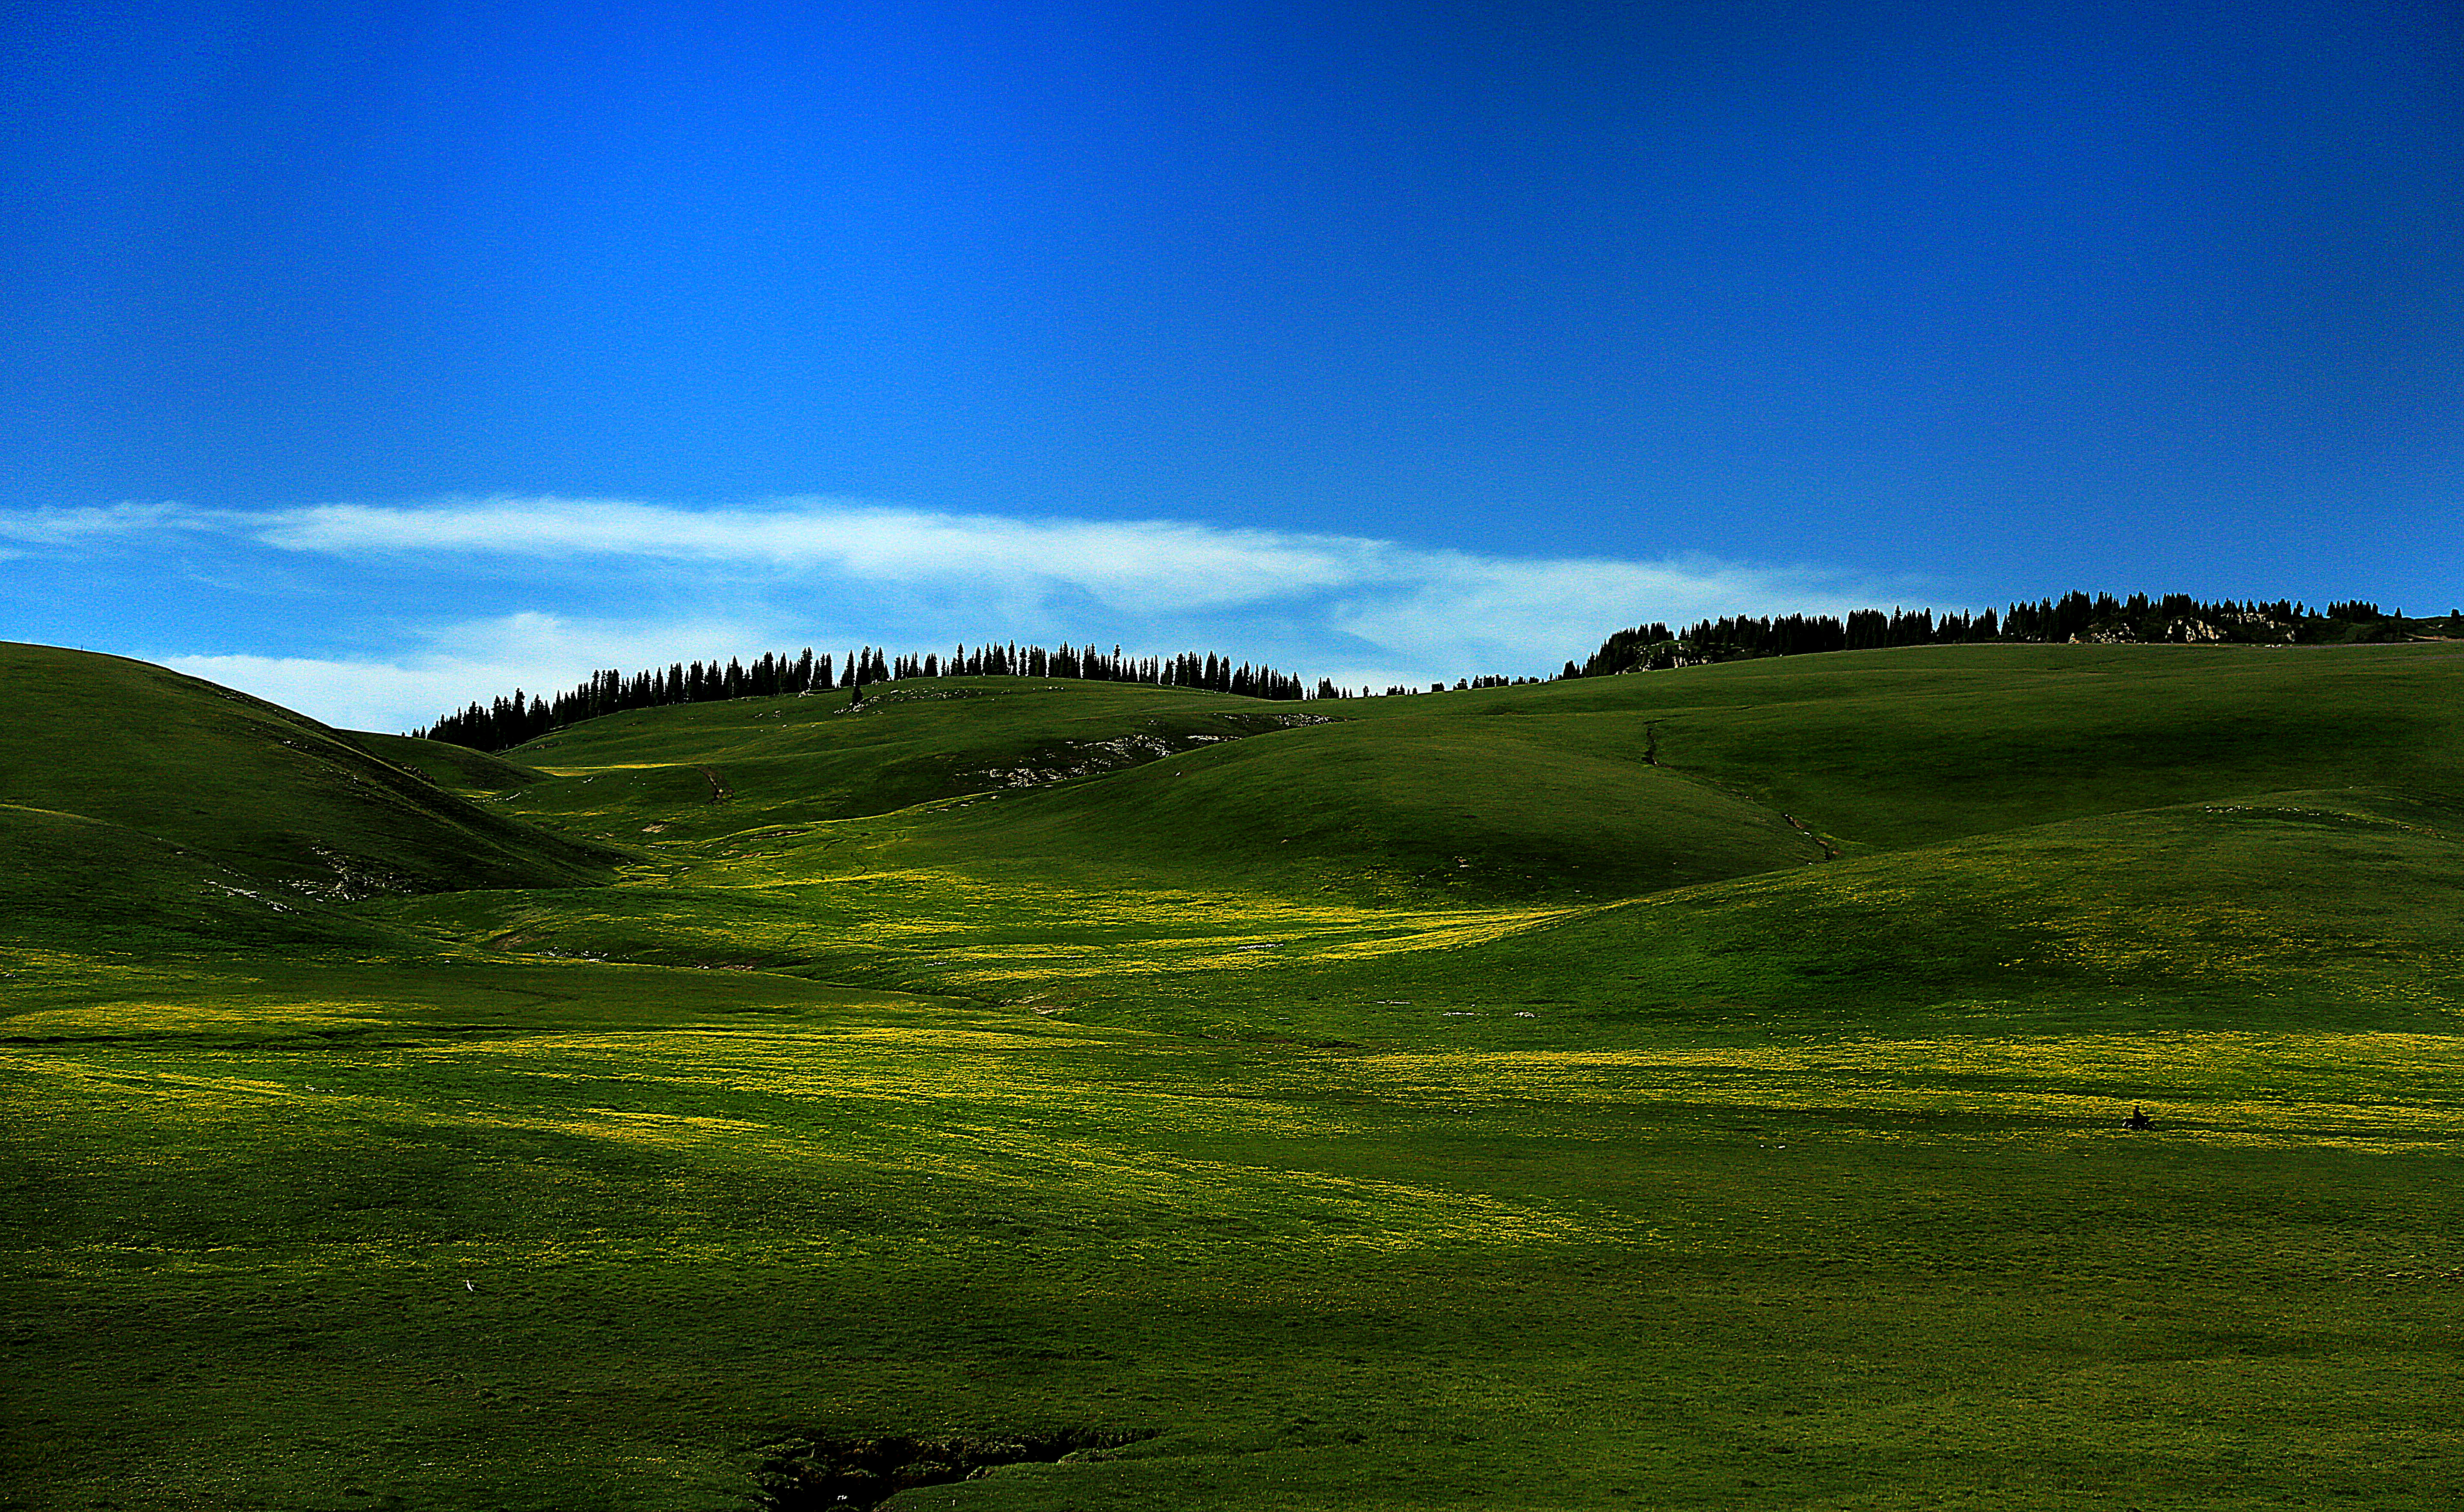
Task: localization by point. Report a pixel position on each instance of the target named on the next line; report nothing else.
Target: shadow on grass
(803, 1475)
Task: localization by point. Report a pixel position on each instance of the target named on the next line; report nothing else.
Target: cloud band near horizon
(554, 587)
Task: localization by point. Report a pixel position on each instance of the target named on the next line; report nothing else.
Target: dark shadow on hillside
(804, 1475)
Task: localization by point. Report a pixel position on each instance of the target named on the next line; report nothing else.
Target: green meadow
(1699, 1088)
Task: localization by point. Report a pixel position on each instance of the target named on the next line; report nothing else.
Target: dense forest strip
(508, 721)
(2075, 617)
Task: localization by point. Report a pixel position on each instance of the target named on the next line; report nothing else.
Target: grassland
(1692, 1089)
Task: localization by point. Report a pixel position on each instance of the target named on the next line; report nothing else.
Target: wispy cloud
(470, 598)
(1140, 565)
(1456, 611)
(451, 665)
(1379, 590)
(60, 528)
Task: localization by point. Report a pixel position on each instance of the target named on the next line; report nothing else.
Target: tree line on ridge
(2076, 617)
(509, 722)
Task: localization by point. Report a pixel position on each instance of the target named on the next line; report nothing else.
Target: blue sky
(377, 357)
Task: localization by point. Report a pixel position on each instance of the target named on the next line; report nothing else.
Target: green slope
(445, 764)
(75, 889)
(1522, 798)
(1548, 791)
(1647, 1160)
(710, 769)
(1892, 748)
(1256, 795)
(271, 794)
(1428, 808)
(2275, 913)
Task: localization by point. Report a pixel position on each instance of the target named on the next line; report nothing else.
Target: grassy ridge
(78, 889)
(2239, 915)
(1873, 749)
(1893, 748)
(1647, 1160)
(266, 792)
(2225, 918)
(1393, 808)
(446, 765)
(791, 760)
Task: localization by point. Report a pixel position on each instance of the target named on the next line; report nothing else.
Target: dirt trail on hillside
(1829, 852)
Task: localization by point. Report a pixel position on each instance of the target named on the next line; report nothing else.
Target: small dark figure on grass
(2138, 1120)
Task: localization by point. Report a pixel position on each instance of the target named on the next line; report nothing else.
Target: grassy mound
(2267, 913)
(699, 769)
(1895, 748)
(79, 888)
(269, 793)
(1400, 808)
(447, 765)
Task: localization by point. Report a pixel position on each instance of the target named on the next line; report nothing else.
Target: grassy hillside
(1449, 1105)
(270, 794)
(447, 765)
(1892, 748)
(76, 890)
(1393, 808)
(706, 768)
(2285, 912)
(1861, 750)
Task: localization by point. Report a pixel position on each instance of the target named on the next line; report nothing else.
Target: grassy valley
(1697, 1088)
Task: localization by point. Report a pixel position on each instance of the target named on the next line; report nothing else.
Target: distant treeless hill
(272, 796)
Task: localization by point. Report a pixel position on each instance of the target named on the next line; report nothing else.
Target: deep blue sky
(1934, 303)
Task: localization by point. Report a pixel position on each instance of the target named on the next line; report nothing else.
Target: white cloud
(1149, 566)
(1385, 591)
(457, 663)
(742, 580)
(58, 527)
(1456, 613)
(350, 695)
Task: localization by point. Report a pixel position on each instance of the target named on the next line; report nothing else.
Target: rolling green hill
(1874, 749)
(79, 889)
(698, 769)
(1400, 807)
(1893, 748)
(1693, 1089)
(277, 799)
(446, 765)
